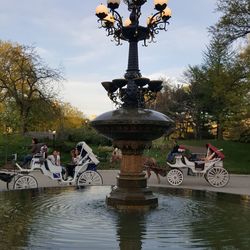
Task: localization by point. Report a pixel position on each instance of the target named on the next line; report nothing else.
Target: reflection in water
(130, 229)
(231, 225)
(214, 220)
(16, 214)
(79, 219)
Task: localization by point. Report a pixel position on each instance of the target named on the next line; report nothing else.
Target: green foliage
(13, 144)
(217, 96)
(159, 150)
(237, 157)
(219, 89)
(9, 117)
(87, 134)
(104, 153)
(245, 136)
(43, 115)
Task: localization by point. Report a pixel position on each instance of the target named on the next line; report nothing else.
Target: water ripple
(71, 219)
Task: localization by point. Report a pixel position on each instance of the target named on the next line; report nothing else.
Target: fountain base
(132, 194)
(132, 131)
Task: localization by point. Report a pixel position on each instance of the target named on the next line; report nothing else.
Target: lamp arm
(161, 26)
(157, 15)
(117, 17)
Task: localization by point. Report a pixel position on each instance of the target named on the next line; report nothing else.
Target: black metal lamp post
(133, 90)
(132, 127)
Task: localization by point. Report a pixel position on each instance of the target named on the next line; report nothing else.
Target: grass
(237, 155)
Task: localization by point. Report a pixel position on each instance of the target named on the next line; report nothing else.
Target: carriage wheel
(25, 182)
(175, 177)
(217, 176)
(89, 177)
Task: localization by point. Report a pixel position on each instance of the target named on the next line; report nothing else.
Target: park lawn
(237, 155)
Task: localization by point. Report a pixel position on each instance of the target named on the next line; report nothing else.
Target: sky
(66, 35)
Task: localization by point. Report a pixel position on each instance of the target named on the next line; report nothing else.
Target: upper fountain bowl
(132, 124)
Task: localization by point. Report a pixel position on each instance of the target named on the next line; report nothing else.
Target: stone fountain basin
(132, 124)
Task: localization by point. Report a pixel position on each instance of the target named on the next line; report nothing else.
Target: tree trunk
(219, 131)
(198, 125)
(24, 121)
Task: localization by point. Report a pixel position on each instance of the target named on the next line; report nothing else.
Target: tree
(8, 117)
(163, 99)
(174, 101)
(217, 62)
(234, 22)
(219, 87)
(25, 79)
(199, 96)
(72, 116)
(49, 114)
(239, 124)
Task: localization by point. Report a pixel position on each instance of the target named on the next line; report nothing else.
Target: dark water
(79, 219)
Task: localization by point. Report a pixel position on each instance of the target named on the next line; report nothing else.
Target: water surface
(65, 218)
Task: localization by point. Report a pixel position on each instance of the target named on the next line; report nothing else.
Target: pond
(66, 218)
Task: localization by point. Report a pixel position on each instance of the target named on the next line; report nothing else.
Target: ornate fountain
(132, 127)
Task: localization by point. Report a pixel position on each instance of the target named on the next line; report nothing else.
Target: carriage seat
(51, 167)
(178, 162)
(189, 163)
(206, 163)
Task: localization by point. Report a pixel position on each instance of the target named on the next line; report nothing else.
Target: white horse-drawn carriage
(85, 171)
(211, 167)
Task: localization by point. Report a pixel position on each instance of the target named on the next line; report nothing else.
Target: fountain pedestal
(132, 130)
(131, 191)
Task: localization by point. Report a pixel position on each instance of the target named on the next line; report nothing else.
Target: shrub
(87, 134)
(104, 153)
(245, 136)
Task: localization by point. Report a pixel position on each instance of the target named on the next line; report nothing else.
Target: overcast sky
(66, 35)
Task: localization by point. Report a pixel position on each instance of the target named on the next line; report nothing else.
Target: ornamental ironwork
(133, 90)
